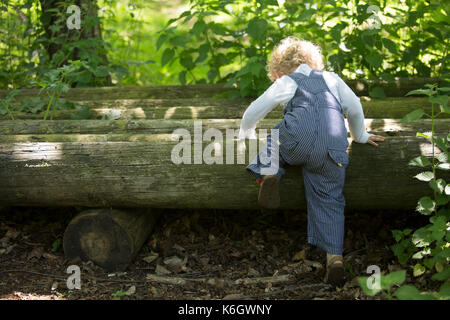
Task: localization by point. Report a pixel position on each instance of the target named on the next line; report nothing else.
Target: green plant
(388, 282)
(118, 294)
(429, 246)
(56, 245)
(231, 39)
(56, 82)
(6, 103)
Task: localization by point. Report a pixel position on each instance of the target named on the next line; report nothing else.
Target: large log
(361, 87)
(59, 128)
(171, 109)
(130, 173)
(110, 238)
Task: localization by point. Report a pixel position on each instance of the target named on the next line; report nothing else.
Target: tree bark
(135, 169)
(110, 238)
(197, 108)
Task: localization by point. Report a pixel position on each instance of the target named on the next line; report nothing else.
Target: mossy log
(136, 170)
(172, 109)
(59, 128)
(361, 87)
(110, 238)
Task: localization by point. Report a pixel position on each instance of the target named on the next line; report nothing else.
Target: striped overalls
(313, 135)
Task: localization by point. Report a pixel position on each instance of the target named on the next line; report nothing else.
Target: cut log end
(109, 238)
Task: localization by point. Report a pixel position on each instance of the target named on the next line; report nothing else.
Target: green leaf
(442, 199)
(186, 61)
(413, 116)
(167, 56)
(444, 290)
(398, 235)
(418, 270)
(420, 161)
(425, 176)
(374, 59)
(363, 283)
(161, 39)
(202, 52)
(397, 277)
(425, 205)
(257, 28)
(390, 45)
(182, 77)
(443, 275)
(439, 99)
(199, 28)
(212, 75)
(410, 292)
(438, 185)
(377, 92)
(56, 245)
(101, 71)
(426, 92)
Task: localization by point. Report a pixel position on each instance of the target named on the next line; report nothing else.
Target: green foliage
(56, 245)
(386, 284)
(6, 103)
(56, 82)
(233, 38)
(428, 246)
(118, 294)
(33, 42)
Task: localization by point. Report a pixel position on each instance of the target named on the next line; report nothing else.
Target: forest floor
(200, 255)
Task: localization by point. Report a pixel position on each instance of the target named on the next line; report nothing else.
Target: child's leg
(325, 204)
(268, 161)
(268, 169)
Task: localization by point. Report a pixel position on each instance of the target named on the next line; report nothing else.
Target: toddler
(313, 135)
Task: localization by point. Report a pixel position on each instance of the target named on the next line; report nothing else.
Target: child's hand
(374, 138)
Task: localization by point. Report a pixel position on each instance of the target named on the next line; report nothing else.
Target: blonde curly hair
(289, 54)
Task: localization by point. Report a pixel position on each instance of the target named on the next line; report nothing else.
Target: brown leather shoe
(269, 196)
(335, 274)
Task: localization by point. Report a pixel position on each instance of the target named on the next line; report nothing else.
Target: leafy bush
(376, 39)
(428, 246)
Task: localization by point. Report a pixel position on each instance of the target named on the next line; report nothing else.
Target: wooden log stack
(128, 163)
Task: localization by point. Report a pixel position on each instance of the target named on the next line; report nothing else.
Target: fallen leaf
(151, 257)
(252, 272)
(131, 291)
(49, 256)
(173, 262)
(160, 270)
(12, 233)
(36, 253)
(54, 286)
(314, 264)
(178, 248)
(301, 255)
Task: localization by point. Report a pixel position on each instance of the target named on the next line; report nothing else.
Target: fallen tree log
(129, 173)
(171, 109)
(396, 88)
(59, 128)
(110, 238)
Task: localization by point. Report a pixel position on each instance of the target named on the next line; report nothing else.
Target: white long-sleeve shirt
(283, 90)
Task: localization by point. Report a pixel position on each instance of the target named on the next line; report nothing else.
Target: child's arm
(281, 91)
(353, 109)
